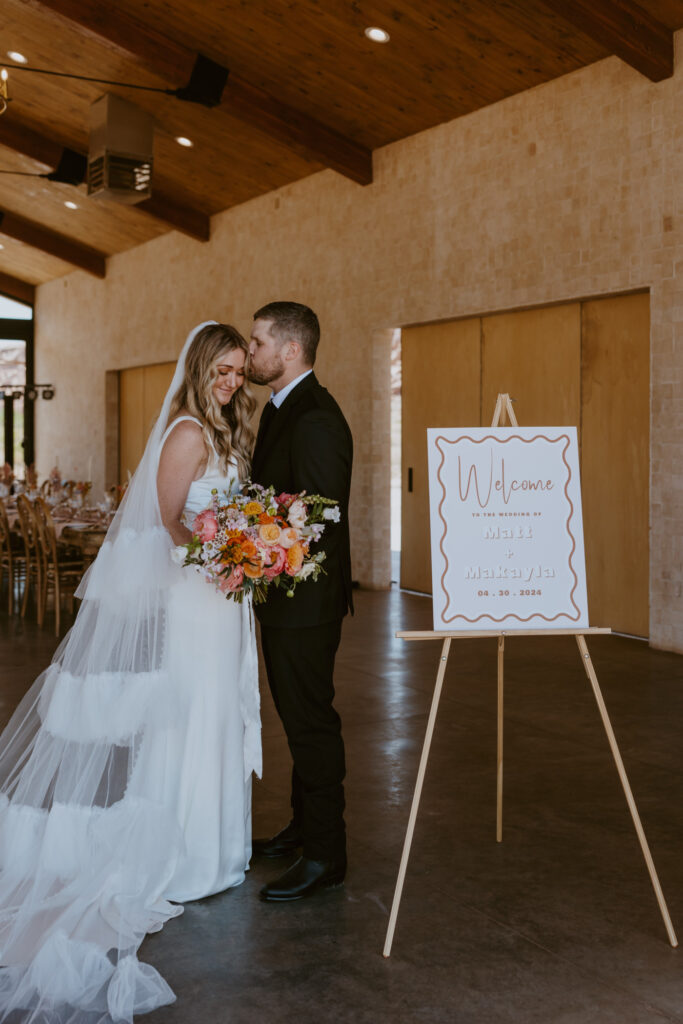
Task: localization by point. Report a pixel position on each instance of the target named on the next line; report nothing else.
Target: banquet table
(86, 536)
(86, 529)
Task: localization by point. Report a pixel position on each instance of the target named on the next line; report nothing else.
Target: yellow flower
(253, 508)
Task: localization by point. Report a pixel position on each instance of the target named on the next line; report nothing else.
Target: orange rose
(295, 558)
(269, 533)
(265, 518)
(253, 508)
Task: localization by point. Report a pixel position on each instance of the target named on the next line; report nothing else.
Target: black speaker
(72, 168)
(206, 84)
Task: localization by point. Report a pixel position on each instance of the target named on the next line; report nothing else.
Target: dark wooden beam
(624, 28)
(35, 235)
(47, 151)
(299, 132)
(183, 218)
(16, 289)
(126, 36)
(173, 62)
(25, 140)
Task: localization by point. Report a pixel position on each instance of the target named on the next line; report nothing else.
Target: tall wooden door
(534, 356)
(141, 394)
(441, 369)
(583, 364)
(615, 462)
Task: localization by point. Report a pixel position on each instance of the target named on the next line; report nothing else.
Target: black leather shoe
(286, 841)
(303, 878)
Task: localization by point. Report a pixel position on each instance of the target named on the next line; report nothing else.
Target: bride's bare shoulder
(184, 433)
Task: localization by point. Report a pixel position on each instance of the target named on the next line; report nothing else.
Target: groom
(304, 444)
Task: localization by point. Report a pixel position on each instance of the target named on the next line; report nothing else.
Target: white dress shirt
(278, 399)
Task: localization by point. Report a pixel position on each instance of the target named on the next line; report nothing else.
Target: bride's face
(229, 369)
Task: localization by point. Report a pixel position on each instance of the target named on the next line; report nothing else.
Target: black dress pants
(300, 666)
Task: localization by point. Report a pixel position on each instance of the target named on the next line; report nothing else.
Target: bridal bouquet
(248, 542)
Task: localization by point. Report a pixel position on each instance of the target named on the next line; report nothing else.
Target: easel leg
(499, 758)
(416, 797)
(590, 672)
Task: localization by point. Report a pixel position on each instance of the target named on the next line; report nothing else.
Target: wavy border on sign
(504, 440)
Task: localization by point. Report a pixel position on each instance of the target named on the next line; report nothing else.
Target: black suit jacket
(308, 446)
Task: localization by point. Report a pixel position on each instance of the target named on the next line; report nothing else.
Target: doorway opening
(396, 457)
(17, 394)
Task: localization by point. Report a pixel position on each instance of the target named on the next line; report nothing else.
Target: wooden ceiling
(306, 90)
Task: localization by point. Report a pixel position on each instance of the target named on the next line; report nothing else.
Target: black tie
(267, 415)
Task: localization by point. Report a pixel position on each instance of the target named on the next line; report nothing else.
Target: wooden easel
(504, 406)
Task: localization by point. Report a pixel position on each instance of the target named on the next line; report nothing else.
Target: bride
(125, 773)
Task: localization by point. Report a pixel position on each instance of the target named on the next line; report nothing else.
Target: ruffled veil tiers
(87, 846)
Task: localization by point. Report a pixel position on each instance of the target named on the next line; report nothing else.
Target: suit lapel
(268, 414)
(278, 422)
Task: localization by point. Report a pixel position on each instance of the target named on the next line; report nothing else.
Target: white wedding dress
(125, 773)
(214, 744)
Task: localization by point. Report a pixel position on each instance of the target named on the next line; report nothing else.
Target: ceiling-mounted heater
(120, 152)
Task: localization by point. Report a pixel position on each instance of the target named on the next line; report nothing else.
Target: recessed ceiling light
(183, 141)
(1, 246)
(378, 35)
(70, 205)
(18, 58)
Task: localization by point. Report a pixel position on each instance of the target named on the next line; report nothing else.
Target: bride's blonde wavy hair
(226, 427)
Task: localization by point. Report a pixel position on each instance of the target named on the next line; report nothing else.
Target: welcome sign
(506, 529)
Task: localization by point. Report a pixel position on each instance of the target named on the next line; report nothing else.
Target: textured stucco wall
(566, 191)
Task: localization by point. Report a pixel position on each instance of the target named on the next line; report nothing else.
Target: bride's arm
(183, 457)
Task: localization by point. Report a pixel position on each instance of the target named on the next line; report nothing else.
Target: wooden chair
(12, 560)
(59, 569)
(32, 554)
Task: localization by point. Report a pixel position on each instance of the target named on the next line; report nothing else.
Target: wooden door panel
(131, 416)
(158, 378)
(583, 364)
(535, 356)
(141, 394)
(615, 460)
(440, 388)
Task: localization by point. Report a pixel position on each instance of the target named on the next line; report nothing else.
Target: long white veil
(86, 849)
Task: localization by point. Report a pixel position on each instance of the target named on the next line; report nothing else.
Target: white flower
(298, 514)
(332, 514)
(312, 532)
(178, 554)
(306, 569)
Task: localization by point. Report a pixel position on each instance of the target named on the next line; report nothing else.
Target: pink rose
(205, 526)
(285, 499)
(288, 536)
(233, 582)
(278, 561)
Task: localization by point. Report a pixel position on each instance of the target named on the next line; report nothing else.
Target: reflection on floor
(556, 924)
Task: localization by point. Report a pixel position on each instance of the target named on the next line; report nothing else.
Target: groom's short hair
(294, 320)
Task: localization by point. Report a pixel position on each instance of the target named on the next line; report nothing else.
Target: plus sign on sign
(506, 529)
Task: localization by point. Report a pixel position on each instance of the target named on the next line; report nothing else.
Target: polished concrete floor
(556, 925)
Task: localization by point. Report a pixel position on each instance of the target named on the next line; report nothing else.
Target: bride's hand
(182, 460)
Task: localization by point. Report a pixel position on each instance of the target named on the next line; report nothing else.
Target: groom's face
(267, 364)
